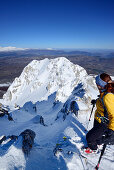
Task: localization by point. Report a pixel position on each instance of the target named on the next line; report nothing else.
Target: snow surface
(44, 89)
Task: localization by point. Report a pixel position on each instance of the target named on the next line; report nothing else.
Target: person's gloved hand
(93, 102)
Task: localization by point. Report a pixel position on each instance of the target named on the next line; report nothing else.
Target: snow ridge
(41, 78)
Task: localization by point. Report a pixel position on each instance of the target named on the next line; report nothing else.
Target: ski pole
(102, 152)
(91, 115)
(91, 112)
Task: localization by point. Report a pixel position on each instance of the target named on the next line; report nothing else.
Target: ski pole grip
(93, 102)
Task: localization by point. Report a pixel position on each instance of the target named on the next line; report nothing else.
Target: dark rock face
(3, 90)
(27, 140)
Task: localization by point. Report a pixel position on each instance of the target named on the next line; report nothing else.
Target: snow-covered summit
(40, 79)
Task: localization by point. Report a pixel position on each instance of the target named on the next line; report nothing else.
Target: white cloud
(49, 48)
(11, 48)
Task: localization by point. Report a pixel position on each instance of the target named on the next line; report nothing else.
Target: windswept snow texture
(44, 92)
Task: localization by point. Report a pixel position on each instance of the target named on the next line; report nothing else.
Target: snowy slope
(44, 89)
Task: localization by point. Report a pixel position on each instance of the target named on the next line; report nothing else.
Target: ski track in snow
(51, 137)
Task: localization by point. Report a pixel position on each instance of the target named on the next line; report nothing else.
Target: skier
(103, 129)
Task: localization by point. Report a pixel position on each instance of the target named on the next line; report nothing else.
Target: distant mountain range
(55, 52)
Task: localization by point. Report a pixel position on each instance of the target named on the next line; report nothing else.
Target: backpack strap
(105, 118)
(105, 109)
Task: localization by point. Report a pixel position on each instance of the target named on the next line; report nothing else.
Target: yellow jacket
(108, 100)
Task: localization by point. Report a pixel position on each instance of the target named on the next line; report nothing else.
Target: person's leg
(94, 136)
(109, 138)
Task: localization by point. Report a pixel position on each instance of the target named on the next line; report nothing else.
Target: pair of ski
(101, 154)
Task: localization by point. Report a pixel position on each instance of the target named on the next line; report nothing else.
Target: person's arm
(109, 104)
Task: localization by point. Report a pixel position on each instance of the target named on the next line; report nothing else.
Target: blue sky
(57, 23)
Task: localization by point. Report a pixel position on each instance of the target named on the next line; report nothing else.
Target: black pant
(109, 138)
(95, 136)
